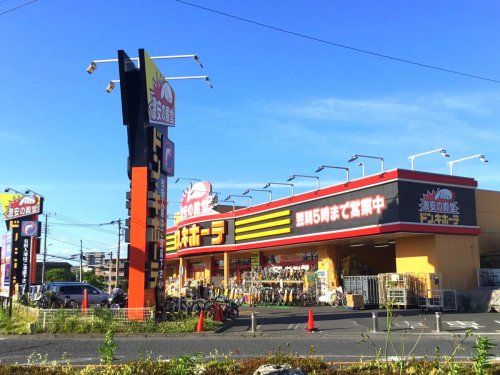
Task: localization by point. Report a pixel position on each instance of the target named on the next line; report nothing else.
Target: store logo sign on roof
(198, 200)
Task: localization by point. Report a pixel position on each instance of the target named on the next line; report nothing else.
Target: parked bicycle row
(176, 308)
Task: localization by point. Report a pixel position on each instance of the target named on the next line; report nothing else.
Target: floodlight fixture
(186, 179)
(261, 190)
(8, 189)
(111, 85)
(322, 167)
(476, 156)
(29, 191)
(357, 156)
(293, 176)
(92, 67)
(412, 158)
(281, 183)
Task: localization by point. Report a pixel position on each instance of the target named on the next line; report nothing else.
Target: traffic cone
(85, 302)
(199, 326)
(310, 322)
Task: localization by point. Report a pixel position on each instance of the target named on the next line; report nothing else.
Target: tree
(91, 278)
(57, 274)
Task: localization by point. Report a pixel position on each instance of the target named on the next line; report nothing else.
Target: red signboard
(197, 200)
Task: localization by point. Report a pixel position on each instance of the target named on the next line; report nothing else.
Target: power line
(61, 233)
(17, 7)
(372, 53)
(77, 222)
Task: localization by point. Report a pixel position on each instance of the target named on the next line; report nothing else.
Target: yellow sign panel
(160, 95)
(194, 234)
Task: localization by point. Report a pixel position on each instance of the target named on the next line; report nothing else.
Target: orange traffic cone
(310, 322)
(199, 326)
(85, 302)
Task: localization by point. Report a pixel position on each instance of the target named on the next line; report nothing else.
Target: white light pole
(8, 189)
(292, 177)
(111, 85)
(477, 156)
(412, 158)
(241, 196)
(230, 201)
(186, 179)
(93, 64)
(362, 165)
(280, 183)
(356, 156)
(322, 167)
(261, 190)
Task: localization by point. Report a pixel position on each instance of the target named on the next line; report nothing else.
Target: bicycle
(338, 298)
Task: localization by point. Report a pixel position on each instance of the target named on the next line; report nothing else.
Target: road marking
(464, 324)
(410, 324)
(497, 321)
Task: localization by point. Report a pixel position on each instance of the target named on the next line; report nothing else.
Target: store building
(397, 221)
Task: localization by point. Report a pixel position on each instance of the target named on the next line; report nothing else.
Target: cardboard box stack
(356, 301)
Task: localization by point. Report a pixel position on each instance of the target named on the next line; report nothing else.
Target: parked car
(74, 290)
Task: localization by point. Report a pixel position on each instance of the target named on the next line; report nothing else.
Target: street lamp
(241, 196)
(262, 190)
(230, 201)
(356, 156)
(280, 183)
(477, 156)
(292, 177)
(8, 189)
(111, 85)
(321, 167)
(442, 151)
(362, 165)
(186, 179)
(29, 191)
(93, 64)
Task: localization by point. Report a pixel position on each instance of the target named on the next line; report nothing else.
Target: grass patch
(101, 321)
(18, 323)
(196, 364)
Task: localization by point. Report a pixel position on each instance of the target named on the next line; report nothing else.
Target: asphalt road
(342, 336)
(289, 320)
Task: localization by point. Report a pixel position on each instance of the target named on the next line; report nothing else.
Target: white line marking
(464, 324)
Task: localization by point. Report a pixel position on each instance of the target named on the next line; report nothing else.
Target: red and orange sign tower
(148, 106)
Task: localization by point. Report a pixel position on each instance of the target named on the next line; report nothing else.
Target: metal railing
(47, 317)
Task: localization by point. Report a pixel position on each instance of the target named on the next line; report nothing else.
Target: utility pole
(44, 248)
(118, 252)
(81, 260)
(110, 271)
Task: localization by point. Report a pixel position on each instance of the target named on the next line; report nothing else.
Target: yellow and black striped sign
(170, 243)
(266, 225)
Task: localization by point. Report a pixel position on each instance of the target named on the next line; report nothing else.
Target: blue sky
(281, 104)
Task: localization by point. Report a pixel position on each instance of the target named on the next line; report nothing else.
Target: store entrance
(366, 258)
